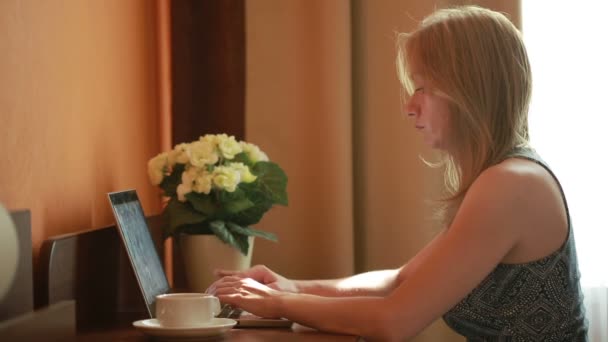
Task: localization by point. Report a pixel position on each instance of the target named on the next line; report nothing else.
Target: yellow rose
(253, 152)
(202, 153)
(157, 167)
(228, 146)
(179, 155)
(210, 138)
(202, 183)
(185, 187)
(226, 178)
(182, 190)
(243, 170)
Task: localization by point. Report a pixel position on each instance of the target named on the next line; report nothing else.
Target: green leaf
(202, 203)
(261, 204)
(243, 243)
(238, 206)
(180, 214)
(234, 202)
(251, 232)
(235, 240)
(170, 182)
(272, 180)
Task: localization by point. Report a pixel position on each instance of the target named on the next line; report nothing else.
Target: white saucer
(216, 327)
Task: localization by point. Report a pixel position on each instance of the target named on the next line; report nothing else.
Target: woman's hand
(247, 294)
(260, 274)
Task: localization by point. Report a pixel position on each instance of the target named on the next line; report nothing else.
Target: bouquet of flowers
(218, 185)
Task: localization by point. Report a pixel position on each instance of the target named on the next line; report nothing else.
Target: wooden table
(296, 334)
(56, 323)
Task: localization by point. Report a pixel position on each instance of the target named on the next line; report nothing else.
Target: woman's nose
(410, 109)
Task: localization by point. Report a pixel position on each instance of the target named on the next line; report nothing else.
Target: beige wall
(78, 109)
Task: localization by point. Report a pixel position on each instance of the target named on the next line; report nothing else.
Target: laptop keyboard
(228, 311)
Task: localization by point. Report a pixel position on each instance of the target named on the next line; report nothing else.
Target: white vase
(202, 254)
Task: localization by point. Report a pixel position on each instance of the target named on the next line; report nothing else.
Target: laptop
(147, 266)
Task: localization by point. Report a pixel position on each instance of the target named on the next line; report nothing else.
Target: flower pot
(202, 254)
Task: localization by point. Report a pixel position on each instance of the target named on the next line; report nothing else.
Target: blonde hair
(476, 58)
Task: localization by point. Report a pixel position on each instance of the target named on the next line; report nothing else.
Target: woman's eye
(419, 89)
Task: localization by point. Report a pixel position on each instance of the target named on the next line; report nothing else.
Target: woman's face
(431, 113)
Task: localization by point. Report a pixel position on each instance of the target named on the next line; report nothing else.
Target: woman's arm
(351, 315)
(374, 283)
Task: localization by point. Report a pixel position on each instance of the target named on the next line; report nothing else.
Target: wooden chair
(92, 268)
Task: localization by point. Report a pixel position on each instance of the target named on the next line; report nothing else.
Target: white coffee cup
(186, 310)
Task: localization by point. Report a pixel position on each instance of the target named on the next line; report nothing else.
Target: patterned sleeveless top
(535, 301)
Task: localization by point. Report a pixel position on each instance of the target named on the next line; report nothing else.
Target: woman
(505, 267)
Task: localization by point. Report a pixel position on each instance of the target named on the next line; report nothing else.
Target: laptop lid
(139, 246)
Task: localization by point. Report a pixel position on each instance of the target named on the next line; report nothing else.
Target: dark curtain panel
(208, 68)
(208, 77)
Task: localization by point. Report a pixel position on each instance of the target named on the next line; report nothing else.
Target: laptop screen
(139, 245)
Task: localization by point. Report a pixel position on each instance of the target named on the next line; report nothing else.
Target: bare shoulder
(532, 206)
(511, 186)
(517, 174)
(523, 182)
